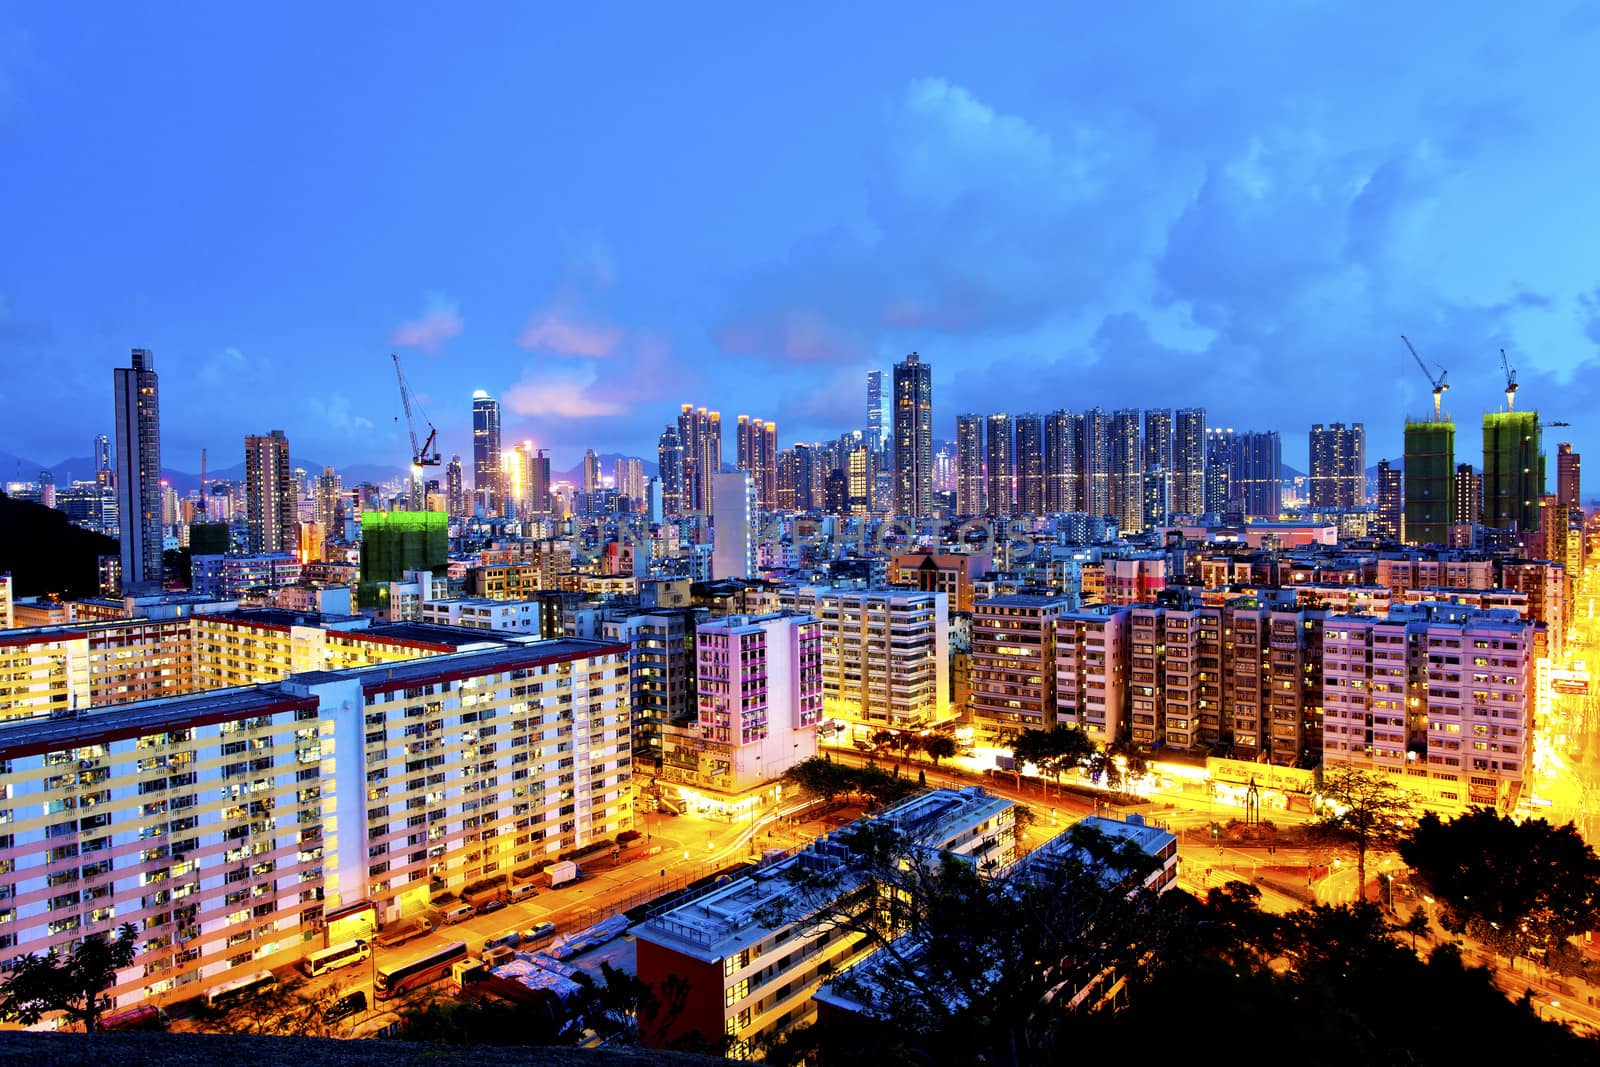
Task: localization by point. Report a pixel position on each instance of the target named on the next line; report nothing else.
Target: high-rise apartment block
(670, 464)
(759, 695)
(1569, 467)
(486, 465)
(1030, 484)
(138, 432)
(1338, 465)
(885, 653)
(971, 495)
(1000, 466)
(1127, 471)
(1095, 460)
(1091, 669)
(1389, 524)
(270, 503)
(913, 437)
(757, 442)
(1063, 462)
(1189, 463)
(1013, 674)
(879, 437)
(700, 437)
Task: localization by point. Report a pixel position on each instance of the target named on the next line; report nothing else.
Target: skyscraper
(1189, 462)
(102, 460)
(1030, 465)
(486, 467)
(455, 492)
(1260, 474)
(1063, 440)
(1430, 466)
(969, 465)
(1338, 465)
(539, 483)
(913, 436)
(1095, 458)
(1513, 470)
(1127, 471)
(700, 435)
(1158, 441)
(269, 497)
(756, 442)
(591, 472)
(1569, 488)
(1220, 451)
(138, 431)
(669, 468)
(328, 503)
(1157, 496)
(1000, 466)
(628, 477)
(733, 519)
(1390, 524)
(878, 436)
(1468, 506)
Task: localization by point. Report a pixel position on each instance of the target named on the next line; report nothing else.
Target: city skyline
(922, 209)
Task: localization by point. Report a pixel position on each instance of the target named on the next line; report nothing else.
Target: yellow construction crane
(1440, 385)
(1511, 379)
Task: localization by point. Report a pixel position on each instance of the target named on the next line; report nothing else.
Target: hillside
(47, 554)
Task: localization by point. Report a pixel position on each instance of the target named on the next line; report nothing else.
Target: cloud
(566, 333)
(440, 321)
(334, 413)
(545, 395)
(231, 368)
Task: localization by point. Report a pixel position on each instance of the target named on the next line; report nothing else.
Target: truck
(399, 935)
(562, 872)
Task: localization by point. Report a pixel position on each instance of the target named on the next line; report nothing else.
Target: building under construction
(1513, 470)
(1430, 469)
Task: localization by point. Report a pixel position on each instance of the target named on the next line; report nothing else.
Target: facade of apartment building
(1013, 672)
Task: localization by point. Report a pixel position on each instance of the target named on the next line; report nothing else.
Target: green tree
(1416, 923)
(1365, 811)
(1515, 885)
(74, 985)
(939, 747)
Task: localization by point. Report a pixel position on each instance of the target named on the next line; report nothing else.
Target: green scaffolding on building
(1430, 470)
(394, 542)
(1513, 470)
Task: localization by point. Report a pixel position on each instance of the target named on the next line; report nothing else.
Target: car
(489, 907)
(346, 1006)
(521, 892)
(535, 934)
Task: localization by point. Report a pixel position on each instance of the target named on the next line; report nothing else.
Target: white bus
(336, 956)
(230, 993)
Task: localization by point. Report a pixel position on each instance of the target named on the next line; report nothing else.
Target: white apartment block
(759, 698)
(1092, 671)
(751, 980)
(1440, 695)
(483, 613)
(223, 824)
(885, 653)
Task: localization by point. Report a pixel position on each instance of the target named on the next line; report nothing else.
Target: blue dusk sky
(598, 215)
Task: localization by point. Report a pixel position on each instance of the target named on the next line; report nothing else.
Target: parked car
(505, 940)
(535, 934)
(489, 907)
(521, 892)
(458, 914)
(346, 1006)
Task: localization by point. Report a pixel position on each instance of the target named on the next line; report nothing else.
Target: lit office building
(913, 437)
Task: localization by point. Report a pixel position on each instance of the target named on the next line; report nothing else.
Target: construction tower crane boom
(1511, 379)
(1440, 385)
(423, 455)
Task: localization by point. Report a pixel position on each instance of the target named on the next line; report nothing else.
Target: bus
(144, 1017)
(336, 956)
(398, 979)
(229, 993)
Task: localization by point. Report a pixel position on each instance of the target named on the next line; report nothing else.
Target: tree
(289, 1010)
(1416, 924)
(1053, 751)
(1366, 811)
(939, 747)
(74, 985)
(1517, 886)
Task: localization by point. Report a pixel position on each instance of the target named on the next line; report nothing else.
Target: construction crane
(423, 455)
(1511, 380)
(1440, 385)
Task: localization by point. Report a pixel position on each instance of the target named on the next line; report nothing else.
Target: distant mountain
(1287, 472)
(608, 462)
(14, 468)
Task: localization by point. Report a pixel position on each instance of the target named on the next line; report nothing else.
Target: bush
(444, 900)
(531, 870)
(627, 836)
(589, 849)
(483, 885)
